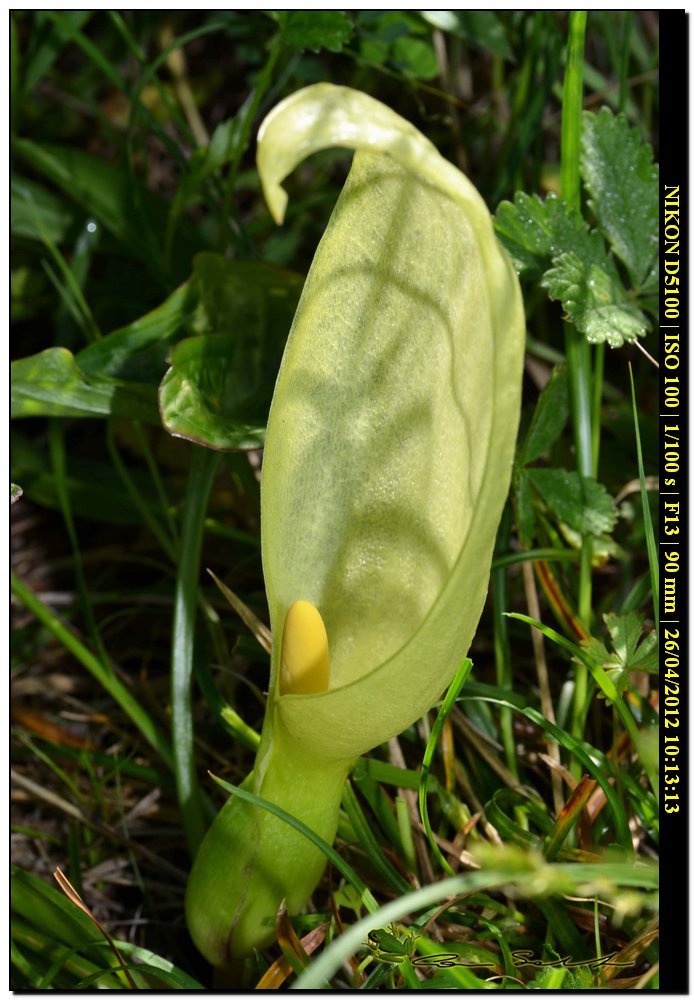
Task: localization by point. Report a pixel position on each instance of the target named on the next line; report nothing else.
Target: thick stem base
(251, 860)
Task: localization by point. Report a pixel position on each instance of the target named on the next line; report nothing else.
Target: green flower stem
(203, 468)
(577, 348)
(229, 915)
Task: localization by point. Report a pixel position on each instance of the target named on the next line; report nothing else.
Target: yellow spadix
(305, 665)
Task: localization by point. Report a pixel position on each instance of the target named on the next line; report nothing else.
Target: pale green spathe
(387, 463)
(392, 429)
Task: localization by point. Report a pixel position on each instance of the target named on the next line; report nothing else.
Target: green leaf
(314, 30)
(415, 57)
(218, 389)
(51, 911)
(549, 417)
(138, 352)
(210, 394)
(16, 492)
(591, 292)
(534, 231)
(545, 238)
(247, 298)
(631, 649)
(583, 504)
(619, 173)
(636, 651)
(52, 384)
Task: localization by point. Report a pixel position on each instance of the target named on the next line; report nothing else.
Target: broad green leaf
(219, 389)
(619, 173)
(212, 390)
(549, 417)
(314, 30)
(253, 300)
(581, 503)
(219, 386)
(138, 352)
(415, 57)
(593, 297)
(387, 462)
(52, 384)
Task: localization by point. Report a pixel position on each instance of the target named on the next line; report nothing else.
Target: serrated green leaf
(534, 231)
(544, 237)
(618, 171)
(592, 295)
(315, 30)
(636, 650)
(631, 649)
(549, 417)
(582, 503)
(599, 653)
(52, 384)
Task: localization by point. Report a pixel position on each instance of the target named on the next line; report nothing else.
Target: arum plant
(387, 463)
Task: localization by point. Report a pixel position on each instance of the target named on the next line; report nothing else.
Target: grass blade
(203, 468)
(448, 703)
(120, 694)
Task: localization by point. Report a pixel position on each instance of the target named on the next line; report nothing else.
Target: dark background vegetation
(143, 93)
